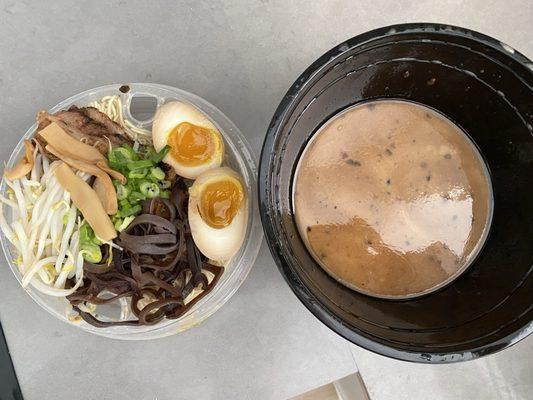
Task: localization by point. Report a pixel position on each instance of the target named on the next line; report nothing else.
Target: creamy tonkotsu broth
(392, 199)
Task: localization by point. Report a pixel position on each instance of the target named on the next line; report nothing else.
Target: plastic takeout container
(139, 101)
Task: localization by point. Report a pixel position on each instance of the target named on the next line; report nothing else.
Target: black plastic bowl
(485, 87)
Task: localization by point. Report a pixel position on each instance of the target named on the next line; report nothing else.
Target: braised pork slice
(87, 125)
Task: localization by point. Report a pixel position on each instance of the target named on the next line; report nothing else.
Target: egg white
(171, 115)
(217, 244)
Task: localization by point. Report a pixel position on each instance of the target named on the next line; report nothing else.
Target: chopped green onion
(165, 194)
(124, 203)
(138, 173)
(131, 211)
(125, 153)
(91, 252)
(86, 233)
(116, 157)
(122, 191)
(137, 196)
(133, 165)
(158, 157)
(164, 184)
(149, 189)
(124, 223)
(118, 223)
(157, 173)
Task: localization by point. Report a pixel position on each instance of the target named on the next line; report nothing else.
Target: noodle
(112, 107)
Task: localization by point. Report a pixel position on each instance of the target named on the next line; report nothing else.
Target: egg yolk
(220, 202)
(191, 144)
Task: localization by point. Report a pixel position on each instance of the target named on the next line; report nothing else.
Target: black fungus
(159, 260)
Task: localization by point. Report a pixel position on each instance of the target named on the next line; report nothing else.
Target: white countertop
(242, 56)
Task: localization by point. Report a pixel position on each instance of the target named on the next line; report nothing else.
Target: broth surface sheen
(392, 199)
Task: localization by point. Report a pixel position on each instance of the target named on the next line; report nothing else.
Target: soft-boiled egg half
(195, 143)
(218, 213)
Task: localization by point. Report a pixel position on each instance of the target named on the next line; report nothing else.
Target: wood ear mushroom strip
(25, 164)
(87, 201)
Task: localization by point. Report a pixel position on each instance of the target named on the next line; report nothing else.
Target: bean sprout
(44, 230)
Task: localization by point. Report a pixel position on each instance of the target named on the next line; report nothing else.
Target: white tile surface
(504, 375)
(242, 56)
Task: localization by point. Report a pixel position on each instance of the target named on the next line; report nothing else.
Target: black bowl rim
(294, 282)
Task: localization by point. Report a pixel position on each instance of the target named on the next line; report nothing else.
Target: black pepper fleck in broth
(124, 89)
(400, 239)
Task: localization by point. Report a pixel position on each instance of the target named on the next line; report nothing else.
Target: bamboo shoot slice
(85, 198)
(101, 187)
(56, 137)
(25, 164)
(106, 191)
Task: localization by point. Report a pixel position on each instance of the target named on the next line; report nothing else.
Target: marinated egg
(195, 143)
(218, 213)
